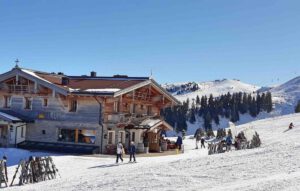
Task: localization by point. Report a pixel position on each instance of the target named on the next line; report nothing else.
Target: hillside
(190, 90)
(286, 96)
(275, 166)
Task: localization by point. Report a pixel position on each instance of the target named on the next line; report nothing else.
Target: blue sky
(256, 41)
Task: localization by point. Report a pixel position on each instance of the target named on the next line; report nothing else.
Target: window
(111, 137)
(133, 108)
(44, 132)
(149, 110)
(133, 136)
(116, 106)
(121, 137)
(73, 106)
(7, 101)
(22, 132)
(77, 136)
(28, 103)
(45, 102)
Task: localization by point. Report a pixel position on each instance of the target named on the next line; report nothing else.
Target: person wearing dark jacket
(132, 151)
(179, 142)
(202, 142)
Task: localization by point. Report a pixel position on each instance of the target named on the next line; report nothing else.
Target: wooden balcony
(125, 117)
(17, 89)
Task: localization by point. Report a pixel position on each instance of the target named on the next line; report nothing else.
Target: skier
(291, 126)
(132, 151)
(120, 150)
(202, 142)
(179, 142)
(197, 137)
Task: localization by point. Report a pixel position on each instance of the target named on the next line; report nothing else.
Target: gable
(35, 80)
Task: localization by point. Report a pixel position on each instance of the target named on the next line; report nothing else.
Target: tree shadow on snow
(108, 165)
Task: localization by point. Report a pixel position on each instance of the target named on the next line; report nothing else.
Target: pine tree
(207, 121)
(297, 109)
(197, 100)
(269, 103)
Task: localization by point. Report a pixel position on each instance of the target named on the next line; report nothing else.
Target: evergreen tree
(207, 121)
(269, 103)
(198, 100)
(297, 109)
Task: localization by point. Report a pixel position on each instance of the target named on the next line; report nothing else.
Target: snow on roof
(150, 122)
(36, 76)
(9, 117)
(103, 90)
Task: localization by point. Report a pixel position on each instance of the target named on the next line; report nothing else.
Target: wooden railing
(20, 88)
(124, 117)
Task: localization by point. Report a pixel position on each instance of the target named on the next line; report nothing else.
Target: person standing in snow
(179, 142)
(228, 143)
(202, 142)
(132, 151)
(197, 137)
(120, 149)
(291, 126)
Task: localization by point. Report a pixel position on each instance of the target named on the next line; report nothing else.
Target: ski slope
(274, 166)
(216, 88)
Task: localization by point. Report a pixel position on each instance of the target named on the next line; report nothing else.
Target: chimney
(93, 74)
(64, 81)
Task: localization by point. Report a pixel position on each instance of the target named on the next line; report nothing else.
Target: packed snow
(273, 166)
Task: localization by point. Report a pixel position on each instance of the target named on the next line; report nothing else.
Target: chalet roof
(89, 85)
(97, 84)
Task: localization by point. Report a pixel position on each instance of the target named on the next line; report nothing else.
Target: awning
(9, 118)
(148, 124)
(13, 116)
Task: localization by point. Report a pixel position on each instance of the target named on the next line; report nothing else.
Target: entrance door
(153, 142)
(4, 135)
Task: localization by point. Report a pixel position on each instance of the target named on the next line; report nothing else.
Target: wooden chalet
(80, 113)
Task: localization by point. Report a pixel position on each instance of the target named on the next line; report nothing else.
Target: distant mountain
(286, 96)
(190, 90)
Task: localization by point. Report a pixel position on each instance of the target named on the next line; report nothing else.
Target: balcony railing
(19, 88)
(123, 118)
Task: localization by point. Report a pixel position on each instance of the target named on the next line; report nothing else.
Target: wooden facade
(81, 110)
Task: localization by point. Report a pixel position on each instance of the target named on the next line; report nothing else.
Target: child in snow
(132, 151)
(119, 152)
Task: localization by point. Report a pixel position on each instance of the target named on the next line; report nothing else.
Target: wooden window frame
(7, 101)
(113, 140)
(45, 102)
(28, 103)
(71, 105)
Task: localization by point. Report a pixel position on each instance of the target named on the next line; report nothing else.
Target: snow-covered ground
(274, 166)
(216, 88)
